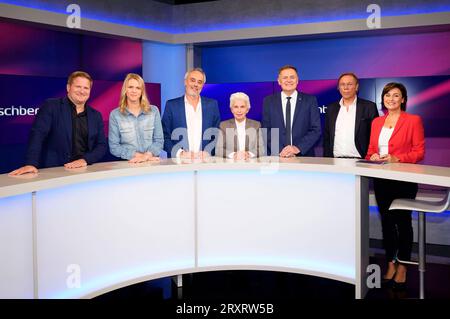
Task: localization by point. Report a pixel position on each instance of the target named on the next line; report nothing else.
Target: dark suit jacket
(366, 111)
(228, 143)
(175, 117)
(407, 141)
(50, 141)
(306, 128)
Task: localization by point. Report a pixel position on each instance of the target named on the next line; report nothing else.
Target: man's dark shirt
(79, 133)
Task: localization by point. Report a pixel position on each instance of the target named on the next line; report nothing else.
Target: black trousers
(396, 224)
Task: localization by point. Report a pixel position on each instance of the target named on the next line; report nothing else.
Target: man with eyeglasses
(348, 121)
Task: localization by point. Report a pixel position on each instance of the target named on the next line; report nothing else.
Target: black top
(79, 133)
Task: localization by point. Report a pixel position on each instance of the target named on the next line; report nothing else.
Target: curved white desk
(81, 233)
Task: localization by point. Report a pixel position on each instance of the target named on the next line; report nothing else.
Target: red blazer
(407, 142)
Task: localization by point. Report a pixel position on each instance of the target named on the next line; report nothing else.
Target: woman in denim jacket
(135, 131)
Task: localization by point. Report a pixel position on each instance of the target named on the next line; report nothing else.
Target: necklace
(390, 121)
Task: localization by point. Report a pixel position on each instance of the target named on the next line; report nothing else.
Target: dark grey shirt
(79, 133)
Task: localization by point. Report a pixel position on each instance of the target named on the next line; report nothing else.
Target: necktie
(288, 121)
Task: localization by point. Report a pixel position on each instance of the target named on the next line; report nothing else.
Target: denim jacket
(129, 134)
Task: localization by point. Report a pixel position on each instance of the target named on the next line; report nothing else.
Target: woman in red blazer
(396, 137)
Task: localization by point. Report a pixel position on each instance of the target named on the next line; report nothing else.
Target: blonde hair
(78, 74)
(144, 102)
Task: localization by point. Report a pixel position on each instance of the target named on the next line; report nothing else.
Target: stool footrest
(408, 262)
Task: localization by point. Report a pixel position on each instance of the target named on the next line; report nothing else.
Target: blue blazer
(50, 141)
(175, 117)
(306, 128)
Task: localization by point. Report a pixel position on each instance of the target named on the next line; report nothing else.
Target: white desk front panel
(302, 221)
(112, 232)
(16, 247)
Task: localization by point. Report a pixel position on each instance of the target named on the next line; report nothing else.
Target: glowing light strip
(262, 22)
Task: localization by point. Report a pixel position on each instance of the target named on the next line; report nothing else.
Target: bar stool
(421, 207)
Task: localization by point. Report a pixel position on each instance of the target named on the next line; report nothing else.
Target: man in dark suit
(293, 115)
(66, 130)
(191, 122)
(348, 122)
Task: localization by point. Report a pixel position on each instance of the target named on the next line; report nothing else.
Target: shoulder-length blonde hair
(144, 102)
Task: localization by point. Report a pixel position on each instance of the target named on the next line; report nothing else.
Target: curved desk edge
(58, 176)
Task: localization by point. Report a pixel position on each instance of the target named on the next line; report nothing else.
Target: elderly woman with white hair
(240, 138)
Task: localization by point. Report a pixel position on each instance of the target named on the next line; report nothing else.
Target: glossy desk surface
(59, 176)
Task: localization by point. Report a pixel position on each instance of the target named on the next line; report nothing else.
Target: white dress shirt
(194, 126)
(344, 134)
(383, 140)
(293, 104)
(241, 137)
(240, 128)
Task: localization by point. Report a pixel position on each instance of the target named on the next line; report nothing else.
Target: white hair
(198, 70)
(239, 96)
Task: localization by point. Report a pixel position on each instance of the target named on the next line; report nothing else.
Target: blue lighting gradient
(314, 266)
(171, 27)
(326, 17)
(165, 64)
(85, 14)
(125, 275)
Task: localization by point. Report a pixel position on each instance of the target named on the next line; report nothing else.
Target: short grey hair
(198, 70)
(239, 96)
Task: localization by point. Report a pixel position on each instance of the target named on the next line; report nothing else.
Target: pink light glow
(430, 93)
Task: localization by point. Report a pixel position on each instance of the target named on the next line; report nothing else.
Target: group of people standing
(69, 132)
